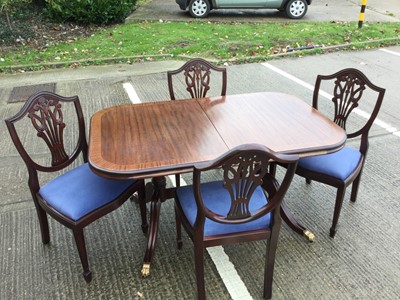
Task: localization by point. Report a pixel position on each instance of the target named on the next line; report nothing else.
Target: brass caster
(309, 235)
(146, 270)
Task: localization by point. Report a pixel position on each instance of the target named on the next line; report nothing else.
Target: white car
(295, 9)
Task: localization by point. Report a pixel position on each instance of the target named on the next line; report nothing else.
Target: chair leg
(43, 223)
(80, 244)
(177, 180)
(338, 206)
(354, 188)
(178, 229)
(272, 169)
(199, 266)
(142, 206)
(270, 264)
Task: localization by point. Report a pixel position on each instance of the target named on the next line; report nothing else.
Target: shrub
(9, 6)
(89, 11)
(11, 13)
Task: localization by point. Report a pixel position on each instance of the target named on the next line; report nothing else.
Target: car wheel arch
(284, 3)
(212, 4)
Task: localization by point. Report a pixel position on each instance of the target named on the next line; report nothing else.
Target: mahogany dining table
(156, 139)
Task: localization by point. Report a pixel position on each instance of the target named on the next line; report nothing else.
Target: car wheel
(199, 8)
(296, 9)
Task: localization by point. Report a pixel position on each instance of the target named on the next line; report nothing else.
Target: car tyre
(199, 8)
(296, 9)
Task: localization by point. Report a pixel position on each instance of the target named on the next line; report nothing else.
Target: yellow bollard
(361, 19)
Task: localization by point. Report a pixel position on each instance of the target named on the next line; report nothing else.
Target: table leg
(293, 224)
(157, 198)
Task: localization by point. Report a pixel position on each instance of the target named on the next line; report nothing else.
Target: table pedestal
(157, 197)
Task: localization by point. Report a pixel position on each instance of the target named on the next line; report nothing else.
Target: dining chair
(197, 76)
(243, 206)
(77, 197)
(344, 167)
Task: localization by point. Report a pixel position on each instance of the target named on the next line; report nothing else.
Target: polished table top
(162, 138)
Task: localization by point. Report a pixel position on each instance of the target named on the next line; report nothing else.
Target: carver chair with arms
(78, 197)
(344, 167)
(243, 206)
(197, 76)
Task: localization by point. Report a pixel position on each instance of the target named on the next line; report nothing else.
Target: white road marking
(228, 273)
(225, 268)
(359, 112)
(133, 96)
(389, 51)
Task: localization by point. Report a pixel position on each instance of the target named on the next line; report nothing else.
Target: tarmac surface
(361, 262)
(319, 10)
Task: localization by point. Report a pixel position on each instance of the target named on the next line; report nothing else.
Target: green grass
(217, 41)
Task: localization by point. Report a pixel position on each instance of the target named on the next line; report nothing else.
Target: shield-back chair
(344, 167)
(77, 197)
(244, 206)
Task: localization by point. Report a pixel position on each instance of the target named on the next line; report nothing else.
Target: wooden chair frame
(197, 73)
(348, 91)
(240, 161)
(45, 111)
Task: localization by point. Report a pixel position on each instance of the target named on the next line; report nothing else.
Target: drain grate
(22, 93)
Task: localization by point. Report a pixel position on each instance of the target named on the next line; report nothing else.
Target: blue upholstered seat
(80, 191)
(339, 164)
(216, 198)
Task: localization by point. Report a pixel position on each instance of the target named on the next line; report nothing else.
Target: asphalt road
(319, 10)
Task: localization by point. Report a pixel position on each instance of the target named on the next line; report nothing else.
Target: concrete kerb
(85, 62)
(158, 57)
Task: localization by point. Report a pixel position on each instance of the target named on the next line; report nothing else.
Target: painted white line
(377, 122)
(133, 96)
(357, 111)
(390, 52)
(172, 178)
(228, 273)
(225, 268)
(287, 75)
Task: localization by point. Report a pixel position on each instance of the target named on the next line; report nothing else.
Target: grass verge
(215, 41)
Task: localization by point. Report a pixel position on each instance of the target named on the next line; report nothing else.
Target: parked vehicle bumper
(182, 4)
